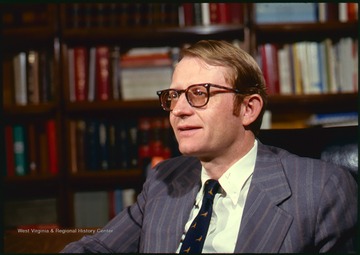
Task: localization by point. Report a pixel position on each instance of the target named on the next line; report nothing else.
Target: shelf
(32, 109)
(153, 35)
(304, 31)
(146, 107)
(31, 186)
(110, 179)
(322, 103)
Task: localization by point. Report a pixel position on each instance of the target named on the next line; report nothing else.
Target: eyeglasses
(197, 95)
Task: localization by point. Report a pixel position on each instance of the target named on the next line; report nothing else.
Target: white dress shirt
(228, 205)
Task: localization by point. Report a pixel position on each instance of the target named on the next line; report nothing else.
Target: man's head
(243, 73)
(215, 100)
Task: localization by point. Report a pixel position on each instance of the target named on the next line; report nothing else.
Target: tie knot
(211, 188)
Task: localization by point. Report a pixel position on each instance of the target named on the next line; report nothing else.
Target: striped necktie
(196, 234)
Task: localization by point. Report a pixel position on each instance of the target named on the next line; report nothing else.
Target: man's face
(209, 131)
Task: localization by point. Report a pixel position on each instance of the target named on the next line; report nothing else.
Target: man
(269, 200)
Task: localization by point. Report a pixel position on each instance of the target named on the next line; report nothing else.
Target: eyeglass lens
(197, 96)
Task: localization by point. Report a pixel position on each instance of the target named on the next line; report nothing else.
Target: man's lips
(187, 128)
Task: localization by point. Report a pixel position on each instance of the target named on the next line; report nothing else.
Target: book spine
(102, 72)
(9, 146)
(19, 63)
(52, 147)
(80, 145)
(188, 14)
(19, 150)
(80, 64)
(33, 151)
(104, 149)
(92, 75)
(33, 77)
(72, 141)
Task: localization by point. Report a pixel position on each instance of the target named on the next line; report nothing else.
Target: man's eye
(198, 92)
(172, 95)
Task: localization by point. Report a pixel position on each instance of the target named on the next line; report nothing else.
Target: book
(285, 12)
(92, 75)
(19, 150)
(9, 150)
(92, 146)
(71, 76)
(80, 137)
(334, 119)
(47, 76)
(115, 73)
(104, 146)
(33, 77)
(20, 76)
(72, 148)
(52, 147)
(44, 150)
(91, 209)
(80, 73)
(33, 149)
(285, 80)
(102, 73)
(269, 65)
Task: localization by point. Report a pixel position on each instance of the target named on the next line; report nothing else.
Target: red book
(352, 11)
(214, 13)
(52, 146)
(270, 67)
(9, 143)
(224, 16)
(236, 13)
(188, 14)
(102, 72)
(80, 64)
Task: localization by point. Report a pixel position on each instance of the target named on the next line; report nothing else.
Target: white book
(330, 66)
(128, 196)
(284, 70)
(303, 61)
(346, 64)
(20, 75)
(314, 67)
(323, 68)
(205, 11)
(343, 16)
(142, 83)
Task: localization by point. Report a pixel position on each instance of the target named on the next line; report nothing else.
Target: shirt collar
(234, 179)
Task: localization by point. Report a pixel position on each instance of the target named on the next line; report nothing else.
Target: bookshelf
(57, 34)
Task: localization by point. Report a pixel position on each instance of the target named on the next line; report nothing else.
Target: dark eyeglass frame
(161, 94)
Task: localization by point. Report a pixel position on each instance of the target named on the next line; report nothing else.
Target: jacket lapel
(183, 191)
(264, 225)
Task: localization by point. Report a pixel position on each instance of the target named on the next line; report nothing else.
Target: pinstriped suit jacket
(294, 205)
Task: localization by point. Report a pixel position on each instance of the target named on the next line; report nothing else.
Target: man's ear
(252, 106)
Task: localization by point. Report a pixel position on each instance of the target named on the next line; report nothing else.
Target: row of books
(96, 208)
(25, 15)
(305, 12)
(203, 14)
(310, 67)
(90, 15)
(97, 145)
(101, 73)
(32, 77)
(31, 149)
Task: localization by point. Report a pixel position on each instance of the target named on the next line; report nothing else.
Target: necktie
(195, 236)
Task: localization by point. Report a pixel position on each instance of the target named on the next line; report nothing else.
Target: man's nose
(182, 106)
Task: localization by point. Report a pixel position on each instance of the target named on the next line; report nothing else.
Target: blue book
(92, 146)
(285, 12)
(19, 150)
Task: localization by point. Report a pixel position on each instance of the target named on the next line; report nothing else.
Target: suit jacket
(294, 204)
